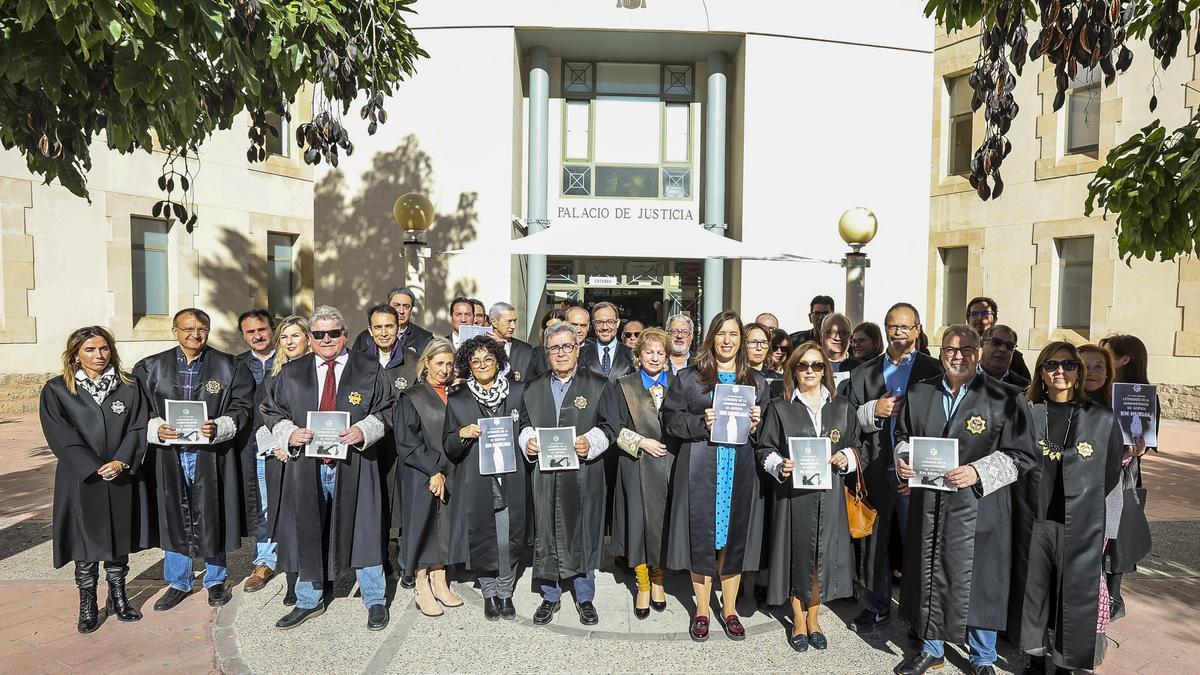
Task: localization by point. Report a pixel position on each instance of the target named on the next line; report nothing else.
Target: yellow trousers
(645, 573)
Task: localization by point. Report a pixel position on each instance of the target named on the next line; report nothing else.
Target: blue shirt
(895, 378)
(189, 374)
(660, 379)
(259, 368)
(558, 389)
(950, 400)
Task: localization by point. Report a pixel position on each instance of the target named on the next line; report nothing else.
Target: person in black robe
(256, 327)
(876, 390)
(568, 505)
(630, 408)
(812, 559)
(982, 314)
(716, 514)
(409, 335)
(521, 364)
(958, 552)
(198, 487)
(999, 345)
(1058, 569)
(330, 512)
(94, 419)
(835, 342)
(424, 477)
(489, 511)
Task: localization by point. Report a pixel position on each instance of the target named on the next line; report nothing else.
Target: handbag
(858, 511)
(1133, 534)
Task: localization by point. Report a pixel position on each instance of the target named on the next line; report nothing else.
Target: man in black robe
(199, 487)
(408, 334)
(820, 307)
(521, 364)
(257, 327)
(999, 346)
(876, 391)
(958, 552)
(568, 505)
(606, 356)
(982, 314)
(682, 330)
(331, 511)
(462, 313)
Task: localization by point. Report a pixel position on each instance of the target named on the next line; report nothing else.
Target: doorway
(639, 304)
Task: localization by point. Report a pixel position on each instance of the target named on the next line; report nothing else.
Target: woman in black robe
(715, 522)
(812, 560)
(630, 408)
(421, 497)
(489, 511)
(94, 420)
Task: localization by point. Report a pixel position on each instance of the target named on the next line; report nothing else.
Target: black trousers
(87, 573)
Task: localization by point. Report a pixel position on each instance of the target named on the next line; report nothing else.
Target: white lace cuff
(773, 464)
(226, 429)
(995, 471)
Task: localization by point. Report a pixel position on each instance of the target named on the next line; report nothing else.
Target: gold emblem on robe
(976, 424)
(355, 398)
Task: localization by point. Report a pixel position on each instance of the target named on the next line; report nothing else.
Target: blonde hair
(70, 355)
(281, 358)
(437, 345)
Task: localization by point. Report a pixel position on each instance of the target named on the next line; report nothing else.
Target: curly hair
(462, 358)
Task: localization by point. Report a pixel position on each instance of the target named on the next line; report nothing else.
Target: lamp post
(414, 213)
(857, 226)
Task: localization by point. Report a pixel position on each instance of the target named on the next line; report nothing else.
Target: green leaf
(29, 12)
(148, 7)
(58, 8)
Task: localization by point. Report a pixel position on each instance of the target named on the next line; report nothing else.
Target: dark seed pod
(157, 210)
(179, 211)
(1153, 103)
(183, 183)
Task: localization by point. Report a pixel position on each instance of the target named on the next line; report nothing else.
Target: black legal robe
(809, 531)
(1087, 480)
(958, 545)
(214, 520)
(418, 419)
(353, 537)
(568, 506)
(415, 337)
(691, 525)
(400, 372)
(473, 495)
(1019, 367)
(521, 363)
(1014, 379)
(94, 519)
(866, 384)
(622, 359)
(639, 520)
(273, 468)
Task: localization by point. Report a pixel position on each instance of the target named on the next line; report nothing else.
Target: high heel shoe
(658, 606)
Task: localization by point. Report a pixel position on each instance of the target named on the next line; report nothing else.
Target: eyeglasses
(965, 352)
(980, 314)
(997, 342)
(835, 334)
(758, 344)
(782, 348)
(627, 335)
(560, 349)
(820, 314)
(192, 331)
(1067, 366)
(899, 328)
(332, 334)
(484, 362)
(815, 366)
(605, 322)
(680, 332)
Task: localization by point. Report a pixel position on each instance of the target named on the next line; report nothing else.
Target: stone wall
(1180, 401)
(19, 393)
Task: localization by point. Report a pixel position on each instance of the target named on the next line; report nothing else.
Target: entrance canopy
(620, 238)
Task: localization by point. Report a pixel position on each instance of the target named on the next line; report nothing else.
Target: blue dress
(726, 456)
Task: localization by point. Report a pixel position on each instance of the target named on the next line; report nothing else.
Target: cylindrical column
(856, 265)
(535, 195)
(714, 184)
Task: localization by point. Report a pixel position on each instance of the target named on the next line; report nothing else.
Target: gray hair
(839, 318)
(402, 290)
(498, 309)
(987, 334)
(557, 328)
(960, 330)
(682, 317)
(326, 312)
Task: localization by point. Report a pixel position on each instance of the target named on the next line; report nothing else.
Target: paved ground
(38, 608)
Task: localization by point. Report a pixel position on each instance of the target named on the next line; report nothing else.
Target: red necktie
(329, 393)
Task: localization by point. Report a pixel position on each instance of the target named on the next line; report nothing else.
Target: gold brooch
(835, 435)
(976, 424)
(1085, 449)
(1050, 453)
(580, 402)
(355, 398)
(212, 386)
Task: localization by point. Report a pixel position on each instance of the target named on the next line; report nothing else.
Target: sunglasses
(333, 334)
(997, 342)
(815, 366)
(1067, 366)
(631, 335)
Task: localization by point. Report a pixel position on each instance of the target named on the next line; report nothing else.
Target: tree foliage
(173, 71)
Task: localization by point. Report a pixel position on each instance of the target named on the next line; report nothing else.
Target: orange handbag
(859, 512)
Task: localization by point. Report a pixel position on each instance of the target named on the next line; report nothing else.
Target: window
(150, 248)
(627, 132)
(277, 145)
(280, 273)
(1083, 114)
(954, 283)
(960, 147)
(1075, 283)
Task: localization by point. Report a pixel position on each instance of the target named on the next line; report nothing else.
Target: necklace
(1051, 450)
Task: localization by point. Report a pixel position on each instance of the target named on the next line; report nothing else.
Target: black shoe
(298, 616)
(118, 604)
(507, 611)
(172, 597)
(658, 606)
(1035, 665)
(89, 613)
(919, 663)
(491, 609)
(218, 595)
(818, 641)
(989, 669)
(408, 582)
(799, 642)
(868, 620)
(641, 612)
(587, 613)
(377, 617)
(545, 612)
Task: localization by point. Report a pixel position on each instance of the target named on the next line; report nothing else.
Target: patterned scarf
(101, 388)
(489, 398)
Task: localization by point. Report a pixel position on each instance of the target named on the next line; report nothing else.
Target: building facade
(1055, 272)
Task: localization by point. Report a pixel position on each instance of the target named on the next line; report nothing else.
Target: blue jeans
(585, 588)
(981, 642)
(879, 598)
(177, 567)
(264, 547)
(371, 583)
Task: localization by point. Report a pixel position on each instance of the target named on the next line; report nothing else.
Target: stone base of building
(1180, 401)
(19, 393)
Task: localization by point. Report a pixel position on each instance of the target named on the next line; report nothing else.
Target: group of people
(1019, 543)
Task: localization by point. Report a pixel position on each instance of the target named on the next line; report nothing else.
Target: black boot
(86, 575)
(118, 604)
